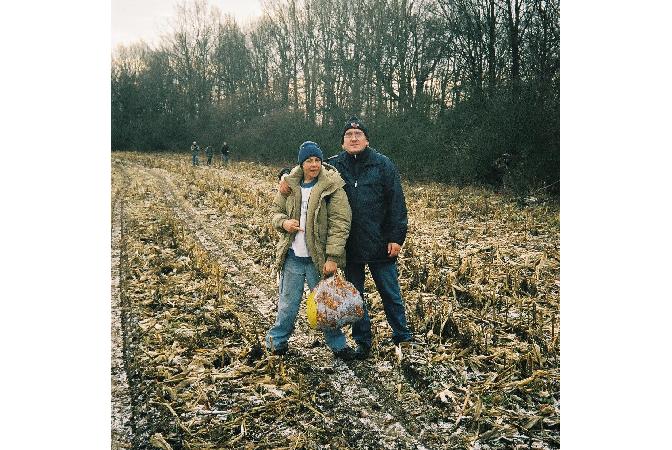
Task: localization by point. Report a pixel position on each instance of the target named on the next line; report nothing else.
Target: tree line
(461, 91)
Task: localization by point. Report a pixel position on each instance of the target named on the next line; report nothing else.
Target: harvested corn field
(193, 295)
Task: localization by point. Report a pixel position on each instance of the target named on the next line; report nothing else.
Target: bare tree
(516, 12)
(191, 47)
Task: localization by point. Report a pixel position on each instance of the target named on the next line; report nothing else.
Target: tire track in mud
(360, 389)
(122, 416)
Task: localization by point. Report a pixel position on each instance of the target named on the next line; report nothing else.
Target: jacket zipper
(355, 156)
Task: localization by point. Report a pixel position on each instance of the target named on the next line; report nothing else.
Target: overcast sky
(133, 20)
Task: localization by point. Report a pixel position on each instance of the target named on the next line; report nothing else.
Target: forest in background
(456, 91)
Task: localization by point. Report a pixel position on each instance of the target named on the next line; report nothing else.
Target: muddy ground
(193, 294)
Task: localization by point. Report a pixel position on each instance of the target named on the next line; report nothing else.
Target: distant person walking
(225, 153)
(195, 149)
(209, 153)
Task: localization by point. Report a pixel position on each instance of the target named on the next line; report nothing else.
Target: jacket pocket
(281, 248)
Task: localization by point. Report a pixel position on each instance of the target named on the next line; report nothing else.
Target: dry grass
(480, 277)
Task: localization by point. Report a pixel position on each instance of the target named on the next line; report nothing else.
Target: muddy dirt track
(193, 294)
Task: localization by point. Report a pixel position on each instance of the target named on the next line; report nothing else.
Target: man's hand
(291, 226)
(283, 187)
(393, 249)
(329, 268)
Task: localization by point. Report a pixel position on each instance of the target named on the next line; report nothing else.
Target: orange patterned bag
(333, 303)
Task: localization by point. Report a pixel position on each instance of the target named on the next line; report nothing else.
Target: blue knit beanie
(308, 149)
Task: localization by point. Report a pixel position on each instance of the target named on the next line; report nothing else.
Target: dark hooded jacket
(379, 214)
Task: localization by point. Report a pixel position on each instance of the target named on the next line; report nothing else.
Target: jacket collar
(362, 157)
(327, 180)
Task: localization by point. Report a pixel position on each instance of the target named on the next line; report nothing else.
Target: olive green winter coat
(327, 220)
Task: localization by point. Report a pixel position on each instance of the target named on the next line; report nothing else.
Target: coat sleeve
(279, 212)
(396, 217)
(338, 224)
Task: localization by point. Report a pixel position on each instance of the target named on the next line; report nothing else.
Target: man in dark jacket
(378, 230)
(225, 153)
(209, 153)
(195, 150)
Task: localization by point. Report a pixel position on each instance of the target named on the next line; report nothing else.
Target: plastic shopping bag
(333, 303)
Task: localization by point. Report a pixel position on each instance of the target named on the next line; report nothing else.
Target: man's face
(354, 141)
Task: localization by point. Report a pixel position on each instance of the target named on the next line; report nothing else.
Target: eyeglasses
(354, 134)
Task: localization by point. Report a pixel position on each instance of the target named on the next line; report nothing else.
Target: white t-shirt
(299, 242)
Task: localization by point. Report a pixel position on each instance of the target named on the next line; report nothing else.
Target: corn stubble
(480, 277)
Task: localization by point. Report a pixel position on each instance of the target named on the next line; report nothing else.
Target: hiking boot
(346, 354)
(362, 351)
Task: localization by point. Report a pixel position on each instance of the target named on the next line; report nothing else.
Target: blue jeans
(385, 277)
(194, 159)
(295, 272)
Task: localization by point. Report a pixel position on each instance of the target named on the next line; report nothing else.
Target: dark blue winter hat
(308, 149)
(354, 122)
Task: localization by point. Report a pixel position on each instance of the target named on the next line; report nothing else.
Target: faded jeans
(295, 272)
(385, 277)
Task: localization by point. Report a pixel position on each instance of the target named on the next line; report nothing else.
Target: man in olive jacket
(329, 212)
(314, 223)
(378, 230)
